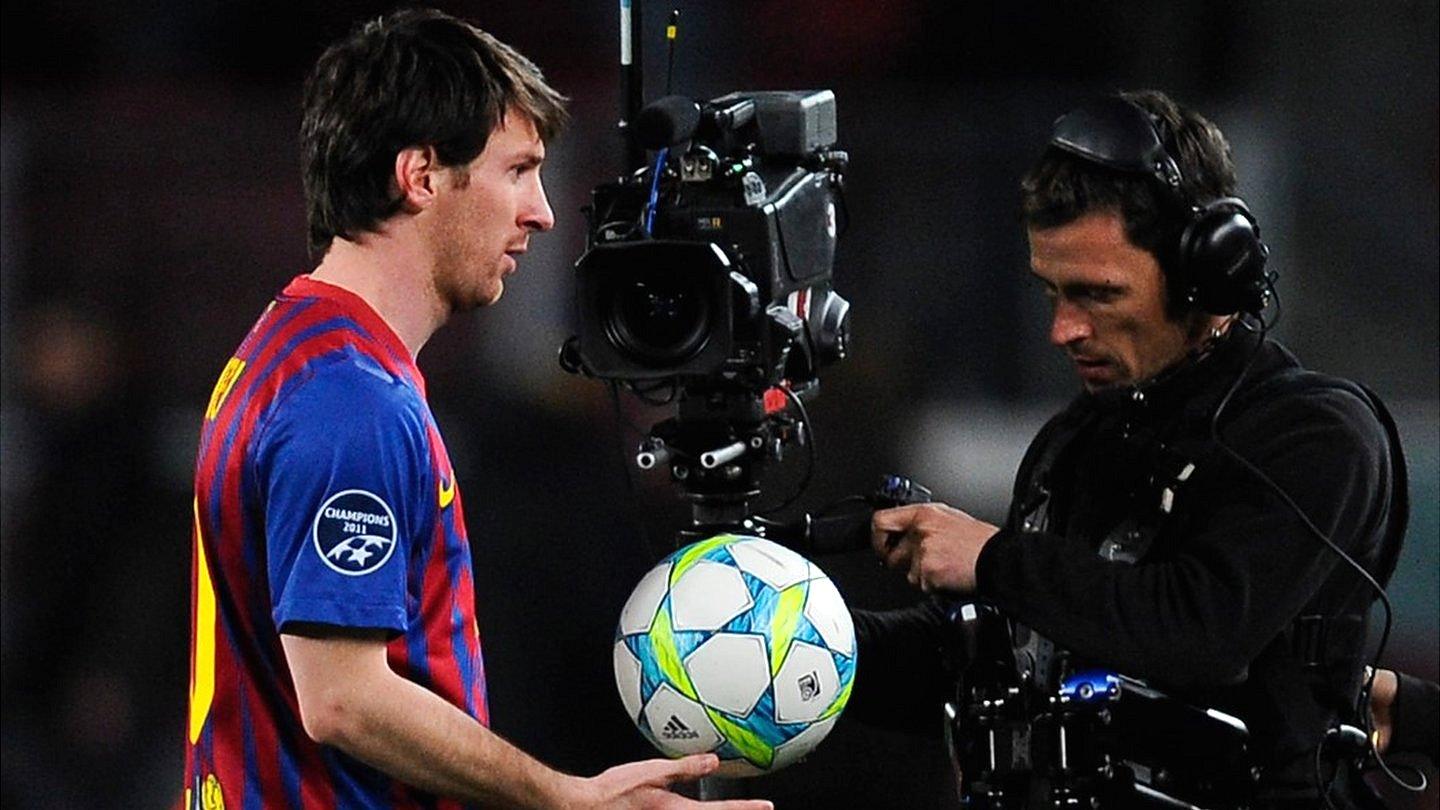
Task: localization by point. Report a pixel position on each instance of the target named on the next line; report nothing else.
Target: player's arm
(406, 730)
(352, 700)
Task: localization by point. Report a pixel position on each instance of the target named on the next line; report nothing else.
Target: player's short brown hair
(416, 77)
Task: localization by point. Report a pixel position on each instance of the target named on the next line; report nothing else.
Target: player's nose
(537, 214)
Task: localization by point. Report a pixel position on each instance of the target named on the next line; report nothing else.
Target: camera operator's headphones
(1218, 263)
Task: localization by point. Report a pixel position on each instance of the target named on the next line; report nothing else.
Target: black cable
(828, 508)
(631, 232)
(619, 412)
(1424, 783)
(654, 202)
(671, 31)
(1322, 784)
(1370, 723)
(1271, 295)
(643, 394)
(811, 454)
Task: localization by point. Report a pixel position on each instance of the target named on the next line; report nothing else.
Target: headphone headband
(1118, 135)
(1219, 258)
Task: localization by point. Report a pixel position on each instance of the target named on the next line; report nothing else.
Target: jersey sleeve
(343, 468)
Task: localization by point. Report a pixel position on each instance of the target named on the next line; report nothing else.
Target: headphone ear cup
(1223, 259)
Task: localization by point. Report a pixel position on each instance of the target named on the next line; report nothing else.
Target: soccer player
(335, 660)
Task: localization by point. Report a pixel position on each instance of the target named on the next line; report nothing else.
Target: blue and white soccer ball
(739, 646)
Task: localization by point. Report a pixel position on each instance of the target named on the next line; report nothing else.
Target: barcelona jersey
(323, 495)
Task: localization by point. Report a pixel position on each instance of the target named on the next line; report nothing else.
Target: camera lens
(659, 316)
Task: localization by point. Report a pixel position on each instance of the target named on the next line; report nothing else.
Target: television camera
(707, 282)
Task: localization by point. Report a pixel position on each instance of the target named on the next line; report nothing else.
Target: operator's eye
(1045, 288)
(1094, 293)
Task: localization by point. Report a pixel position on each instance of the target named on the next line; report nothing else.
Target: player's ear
(417, 175)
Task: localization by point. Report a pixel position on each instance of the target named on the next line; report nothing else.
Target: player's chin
(492, 287)
(479, 297)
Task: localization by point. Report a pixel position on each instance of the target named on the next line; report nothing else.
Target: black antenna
(670, 32)
(632, 90)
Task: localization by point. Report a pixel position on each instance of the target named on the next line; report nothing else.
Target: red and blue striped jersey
(323, 495)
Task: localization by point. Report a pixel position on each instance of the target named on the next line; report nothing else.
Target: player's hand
(935, 544)
(646, 785)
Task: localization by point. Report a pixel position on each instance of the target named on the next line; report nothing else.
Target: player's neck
(394, 277)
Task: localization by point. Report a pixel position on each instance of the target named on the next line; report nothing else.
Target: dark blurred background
(152, 206)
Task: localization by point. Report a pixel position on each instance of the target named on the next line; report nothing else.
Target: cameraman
(1135, 541)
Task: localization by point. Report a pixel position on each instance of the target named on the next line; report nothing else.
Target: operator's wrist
(986, 560)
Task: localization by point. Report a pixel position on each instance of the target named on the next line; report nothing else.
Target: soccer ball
(739, 646)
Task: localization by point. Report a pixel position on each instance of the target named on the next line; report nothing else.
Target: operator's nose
(1070, 324)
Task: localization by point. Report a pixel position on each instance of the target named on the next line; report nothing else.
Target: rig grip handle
(840, 533)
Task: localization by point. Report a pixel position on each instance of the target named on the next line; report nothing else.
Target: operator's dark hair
(1062, 187)
(417, 77)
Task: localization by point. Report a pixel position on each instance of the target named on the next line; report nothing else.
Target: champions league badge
(354, 532)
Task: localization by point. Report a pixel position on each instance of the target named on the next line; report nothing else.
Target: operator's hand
(1382, 697)
(937, 545)
(645, 784)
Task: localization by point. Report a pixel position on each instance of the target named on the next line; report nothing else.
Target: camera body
(715, 263)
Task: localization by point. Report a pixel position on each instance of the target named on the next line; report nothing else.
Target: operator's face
(486, 214)
(1109, 302)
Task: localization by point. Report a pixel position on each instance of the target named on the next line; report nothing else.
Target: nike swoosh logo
(447, 491)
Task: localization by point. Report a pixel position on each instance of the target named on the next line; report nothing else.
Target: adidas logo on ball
(676, 730)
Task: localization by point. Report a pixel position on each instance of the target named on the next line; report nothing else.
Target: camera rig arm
(820, 533)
